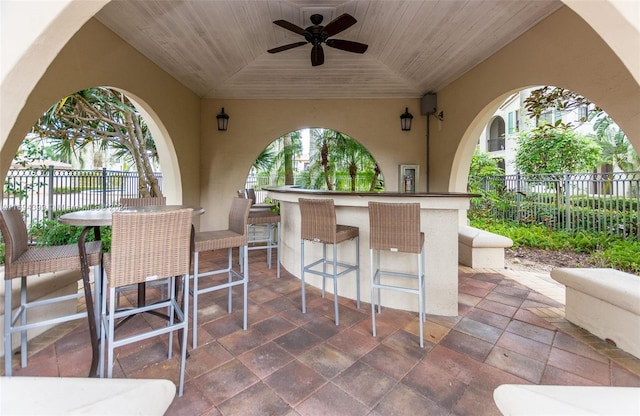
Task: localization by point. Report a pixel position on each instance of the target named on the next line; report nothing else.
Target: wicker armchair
(144, 201)
(232, 237)
(395, 227)
(318, 218)
(147, 246)
(22, 261)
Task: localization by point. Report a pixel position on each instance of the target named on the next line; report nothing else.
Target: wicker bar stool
(22, 261)
(147, 246)
(141, 202)
(318, 224)
(395, 227)
(260, 227)
(144, 201)
(234, 236)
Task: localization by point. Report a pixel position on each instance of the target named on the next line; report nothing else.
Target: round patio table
(94, 219)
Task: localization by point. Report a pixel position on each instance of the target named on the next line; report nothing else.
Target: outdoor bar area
(439, 219)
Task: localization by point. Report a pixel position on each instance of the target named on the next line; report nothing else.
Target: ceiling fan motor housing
(317, 34)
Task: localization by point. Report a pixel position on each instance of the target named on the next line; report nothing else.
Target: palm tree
(292, 146)
(320, 157)
(354, 158)
(616, 148)
(104, 117)
(333, 152)
(278, 157)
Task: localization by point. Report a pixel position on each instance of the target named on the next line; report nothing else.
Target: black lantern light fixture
(223, 120)
(405, 120)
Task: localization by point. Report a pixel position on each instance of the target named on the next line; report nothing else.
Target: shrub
(606, 249)
(51, 233)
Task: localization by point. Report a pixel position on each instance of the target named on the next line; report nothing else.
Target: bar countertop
(294, 190)
(440, 214)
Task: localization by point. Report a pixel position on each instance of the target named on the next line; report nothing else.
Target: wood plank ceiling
(218, 48)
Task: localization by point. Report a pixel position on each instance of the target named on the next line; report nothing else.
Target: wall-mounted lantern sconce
(223, 120)
(405, 120)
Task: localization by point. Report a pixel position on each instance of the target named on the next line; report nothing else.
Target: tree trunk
(376, 173)
(353, 173)
(147, 182)
(288, 160)
(325, 164)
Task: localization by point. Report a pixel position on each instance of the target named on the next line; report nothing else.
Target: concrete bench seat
(515, 399)
(605, 302)
(85, 396)
(481, 249)
(44, 286)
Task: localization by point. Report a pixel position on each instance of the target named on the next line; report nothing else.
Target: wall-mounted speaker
(428, 104)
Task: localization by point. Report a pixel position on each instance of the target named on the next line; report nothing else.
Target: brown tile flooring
(289, 363)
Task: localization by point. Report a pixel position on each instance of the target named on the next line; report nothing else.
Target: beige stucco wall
(32, 34)
(227, 156)
(96, 57)
(563, 51)
(202, 165)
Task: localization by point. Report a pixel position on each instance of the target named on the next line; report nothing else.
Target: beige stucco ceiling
(218, 48)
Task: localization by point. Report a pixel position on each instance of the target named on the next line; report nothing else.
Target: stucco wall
(563, 51)
(96, 57)
(226, 157)
(206, 166)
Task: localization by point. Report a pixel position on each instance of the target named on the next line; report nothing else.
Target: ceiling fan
(317, 34)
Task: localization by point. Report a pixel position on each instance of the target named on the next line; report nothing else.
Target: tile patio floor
(510, 329)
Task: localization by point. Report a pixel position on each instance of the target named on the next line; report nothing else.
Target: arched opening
(87, 150)
(569, 166)
(315, 158)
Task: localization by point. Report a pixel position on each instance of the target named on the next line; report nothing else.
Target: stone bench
(86, 396)
(44, 286)
(518, 399)
(481, 249)
(605, 302)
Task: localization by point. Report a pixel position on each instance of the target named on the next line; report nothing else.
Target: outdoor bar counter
(439, 221)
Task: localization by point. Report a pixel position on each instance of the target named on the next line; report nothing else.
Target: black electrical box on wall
(428, 104)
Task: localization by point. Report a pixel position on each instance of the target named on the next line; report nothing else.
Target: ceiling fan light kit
(316, 35)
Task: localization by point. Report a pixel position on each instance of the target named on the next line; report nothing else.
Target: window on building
(496, 135)
(549, 117)
(583, 112)
(516, 115)
(510, 123)
(557, 115)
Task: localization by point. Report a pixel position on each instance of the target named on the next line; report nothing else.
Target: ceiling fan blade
(340, 23)
(347, 45)
(317, 55)
(286, 47)
(290, 26)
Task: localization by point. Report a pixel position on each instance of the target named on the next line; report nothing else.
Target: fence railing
(40, 192)
(590, 201)
(606, 202)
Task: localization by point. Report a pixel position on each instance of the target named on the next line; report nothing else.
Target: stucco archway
(581, 68)
(49, 35)
(83, 63)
